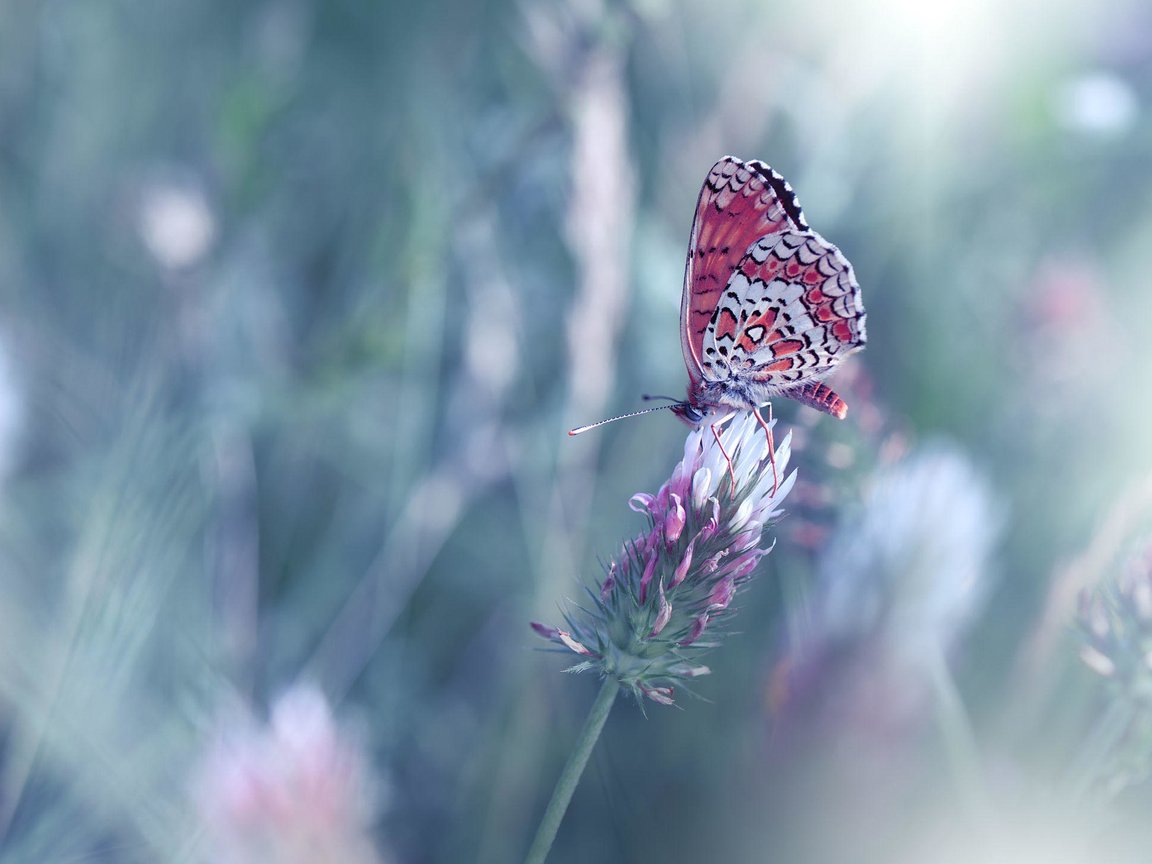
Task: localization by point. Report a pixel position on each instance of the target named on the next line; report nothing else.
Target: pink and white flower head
(670, 586)
(297, 789)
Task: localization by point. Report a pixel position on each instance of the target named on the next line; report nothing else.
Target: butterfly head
(689, 413)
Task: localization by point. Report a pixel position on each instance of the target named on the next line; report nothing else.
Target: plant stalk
(570, 776)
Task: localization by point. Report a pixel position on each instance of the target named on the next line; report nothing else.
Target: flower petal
(663, 695)
(686, 671)
(713, 522)
(641, 502)
(748, 538)
(609, 582)
(675, 519)
(649, 569)
(694, 448)
(743, 514)
(701, 488)
(665, 614)
(684, 565)
(743, 566)
(713, 563)
(697, 628)
(680, 482)
(722, 594)
(1098, 661)
(578, 647)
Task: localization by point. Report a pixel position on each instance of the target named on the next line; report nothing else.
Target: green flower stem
(566, 785)
(955, 729)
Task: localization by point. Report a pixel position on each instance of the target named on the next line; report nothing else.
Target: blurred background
(298, 299)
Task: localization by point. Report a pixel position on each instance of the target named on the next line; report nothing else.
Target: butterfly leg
(771, 445)
(727, 458)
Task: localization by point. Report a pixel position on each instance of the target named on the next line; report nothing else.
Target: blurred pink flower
(672, 583)
(297, 789)
(1064, 318)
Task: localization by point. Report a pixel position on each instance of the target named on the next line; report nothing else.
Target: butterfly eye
(687, 412)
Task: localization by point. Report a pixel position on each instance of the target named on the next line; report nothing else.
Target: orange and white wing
(788, 315)
(739, 203)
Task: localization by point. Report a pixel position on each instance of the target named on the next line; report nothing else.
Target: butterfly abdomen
(821, 397)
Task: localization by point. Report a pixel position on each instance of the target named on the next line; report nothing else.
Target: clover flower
(1117, 625)
(670, 586)
(913, 566)
(899, 585)
(1116, 622)
(298, 789)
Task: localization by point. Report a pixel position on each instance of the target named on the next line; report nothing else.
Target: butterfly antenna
(580, 429)
(648, 397)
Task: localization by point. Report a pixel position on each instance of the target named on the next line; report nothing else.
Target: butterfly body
(769, 306)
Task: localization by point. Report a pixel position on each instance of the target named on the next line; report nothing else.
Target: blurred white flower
(176, 223)
(897, 588)
(1099, 103)
(912, 569)
(296, 790)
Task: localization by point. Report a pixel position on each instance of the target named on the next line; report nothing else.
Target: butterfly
(769, 306)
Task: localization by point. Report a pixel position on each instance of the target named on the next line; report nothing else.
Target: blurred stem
(570, 776)
(959, 740)
(1109, 730)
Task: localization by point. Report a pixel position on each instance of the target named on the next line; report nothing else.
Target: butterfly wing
(788, 315)
(739, 203)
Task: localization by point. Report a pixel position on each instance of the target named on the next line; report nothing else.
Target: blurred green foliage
(290, 323)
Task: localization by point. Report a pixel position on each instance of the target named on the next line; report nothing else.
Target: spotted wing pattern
(789, 313)
(739, 203)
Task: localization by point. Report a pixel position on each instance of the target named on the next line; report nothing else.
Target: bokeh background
(298, 298)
